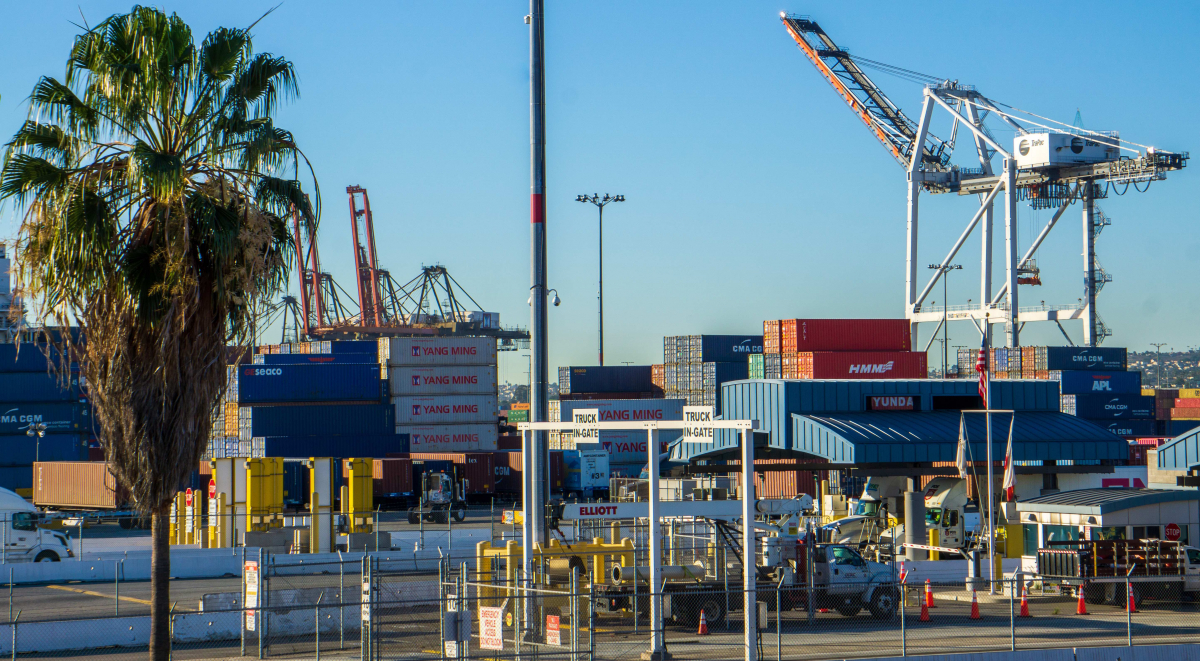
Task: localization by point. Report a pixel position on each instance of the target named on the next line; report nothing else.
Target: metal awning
(1097, 502)
(1181, 452)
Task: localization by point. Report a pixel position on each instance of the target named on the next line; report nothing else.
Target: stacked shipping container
(838, 349)
(695, 366)
(443, 391)
(627, 449)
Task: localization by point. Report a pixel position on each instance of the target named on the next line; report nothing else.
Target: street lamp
(600, 203)
(1158, 360)
(945, 269)
(36, 430)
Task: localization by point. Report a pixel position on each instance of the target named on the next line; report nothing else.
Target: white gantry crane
(1049, 164)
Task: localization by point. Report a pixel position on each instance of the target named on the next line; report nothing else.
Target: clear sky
(753, 192)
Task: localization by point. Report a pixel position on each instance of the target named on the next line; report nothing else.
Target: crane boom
(886, 121)
(362, 226)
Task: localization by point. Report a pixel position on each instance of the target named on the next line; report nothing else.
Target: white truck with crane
(875, 529)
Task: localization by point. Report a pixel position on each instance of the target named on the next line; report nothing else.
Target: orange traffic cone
(929, 595)
(1081, 607)
(1024, 603)
(924, 612)
(974, 606)
(703, 625)
(1131, 600)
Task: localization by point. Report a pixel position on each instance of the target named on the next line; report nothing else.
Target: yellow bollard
(314, 528)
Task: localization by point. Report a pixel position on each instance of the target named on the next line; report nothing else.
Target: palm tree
(155, 190)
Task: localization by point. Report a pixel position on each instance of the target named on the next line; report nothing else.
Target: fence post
(341, 602)
(591, 621)
(116, 588)
(10, 593)
(317, 628)
(492, 520)
(263, 603)
(364, 647)
(779, 620)
(1129, 605)
(903, 628)
(14, 632)
(1012, 614)
(171, 634)
(574, 606)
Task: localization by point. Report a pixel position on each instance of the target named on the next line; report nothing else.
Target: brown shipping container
(844, 335)
(392, 476)
(783, 483)
(475, 467)
(1185, 414)
(658, 375)
(77, 485)
(771, 336)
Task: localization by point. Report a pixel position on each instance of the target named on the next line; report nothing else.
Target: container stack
(608, 382)
(695, 366)
(443, 391)
(840, 349)
(627, 449)
(1177, 409)
(29, 394)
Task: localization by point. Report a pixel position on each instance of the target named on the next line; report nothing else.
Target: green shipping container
(517, 416)
(756, 366)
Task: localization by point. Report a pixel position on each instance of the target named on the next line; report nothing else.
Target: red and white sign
(893, 403)
(491, 631)
(250, 581)
(553, 635)
(187, 498)
(212, 489)
(1173, 532)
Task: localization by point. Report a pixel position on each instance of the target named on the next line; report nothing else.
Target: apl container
(323, 420)
(423, 351)
(443, 380)
(451, 438)
(844, 335)
(1087, 382)
(446, 409)
(855, 365)
(267, 384)
(57, 417)
(1108, 407)
(37, 387)
(607, 379)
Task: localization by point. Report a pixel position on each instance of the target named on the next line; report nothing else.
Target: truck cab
(23, 538)
(846, 582)
(948, 511)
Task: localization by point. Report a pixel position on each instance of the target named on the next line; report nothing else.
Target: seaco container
(855, 365)
(844, 335)
(37, 387)
(303, 447)
(84, 485)
(443, 380)
(1085, 358)
(446, 409)
(266, 384)
(451, 438)
(607, 379)
(1083, 382)
(1108, 407)
(58, 417)
(475, 467)
(438, 351)
(323, 420)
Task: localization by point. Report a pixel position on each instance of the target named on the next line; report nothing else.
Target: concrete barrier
(1139, 653)
(1066, 654)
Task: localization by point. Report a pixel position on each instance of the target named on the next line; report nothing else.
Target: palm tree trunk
(160, 584)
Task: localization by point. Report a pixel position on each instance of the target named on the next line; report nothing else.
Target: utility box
(1036, 150)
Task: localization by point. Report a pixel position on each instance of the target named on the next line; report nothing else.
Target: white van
(23, 540)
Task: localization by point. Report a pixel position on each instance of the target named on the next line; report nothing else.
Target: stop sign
(1173, 532)
(212, 488)
(187, 497)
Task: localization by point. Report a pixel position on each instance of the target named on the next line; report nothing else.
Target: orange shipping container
(771, 336)
(85, 485)
(1187, 403)
(1185, 413)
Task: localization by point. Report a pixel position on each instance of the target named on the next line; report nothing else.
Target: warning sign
(553, 636)
(491, 630)
(1173, 532)
(250, 581)
(366, 602)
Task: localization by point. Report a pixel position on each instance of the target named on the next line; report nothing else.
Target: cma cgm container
(262, 384)
(1130, 428)
(1107, 407)
(79, 485)
(1076, 382)
(37, 387)
(443, 380)
(474, 467)
(323, 420)
(58, 417)
(1085, 358)
(451, 438)
(303, 447)
(855, 365)
(608, 379)
(446, 409)
(844, 335)
(438, 350)
(507, 468)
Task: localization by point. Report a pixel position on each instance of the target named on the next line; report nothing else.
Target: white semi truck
(24, 540)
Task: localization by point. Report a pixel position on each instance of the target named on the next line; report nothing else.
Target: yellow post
(361, 479)
(314, 526)
(599, 569)
(216, 524)
(1014, 546)
(934, 538)
(614, 534)
(276, 492)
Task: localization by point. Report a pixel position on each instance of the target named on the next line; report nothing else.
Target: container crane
(366, 266)
(1050, 164)
(320, 304)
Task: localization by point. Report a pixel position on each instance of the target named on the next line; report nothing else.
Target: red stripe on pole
(537, 208)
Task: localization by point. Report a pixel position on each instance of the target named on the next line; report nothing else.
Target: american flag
(981, 367)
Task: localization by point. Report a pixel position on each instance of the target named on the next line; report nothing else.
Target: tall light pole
(945, 271)
(36, 430)
(1158, 346)
(600, 203)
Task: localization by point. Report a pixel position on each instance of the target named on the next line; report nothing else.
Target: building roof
(1181, 452)
(879, 437)
(1103, 501)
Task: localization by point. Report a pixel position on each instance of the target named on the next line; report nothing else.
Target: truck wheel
(849, 610)
(884, 602)
(1116, 594)
(47, 556)
(713, 606)
(1093, 594)
(460, 514)
(126, 523)
(414, 518)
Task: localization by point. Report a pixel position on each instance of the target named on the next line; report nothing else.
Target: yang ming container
(323, 420)
(266, 384)
(1093, 383)
(451, 438)
(423, 351)
(446, 409)
(844, 335)
(607, 379)
(443, 380)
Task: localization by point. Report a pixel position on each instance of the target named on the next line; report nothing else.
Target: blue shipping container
(58, 417)
(613, 379)
(355, 346)
(26, 357)
(1085, 358)
(266, 384)
(37, 387)
(16, 477)
(339, 447)
(23, 450)
(1134, 428)
(1082, 382)
(729, 348)
(1109, 407)
(1181, 427)
(323, 420)
(316, 358)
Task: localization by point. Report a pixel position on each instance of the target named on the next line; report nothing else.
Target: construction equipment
(1050, 164)
(443, 493)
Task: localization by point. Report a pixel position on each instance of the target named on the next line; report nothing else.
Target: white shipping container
(446, 409)
(1046, 149)
(443, 380)
(424, 351)
(450, 438)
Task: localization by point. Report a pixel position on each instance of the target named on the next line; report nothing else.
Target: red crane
(320, 305)
(370, 295)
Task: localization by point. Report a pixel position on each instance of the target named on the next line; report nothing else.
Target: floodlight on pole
(945, 269)
(600, 203)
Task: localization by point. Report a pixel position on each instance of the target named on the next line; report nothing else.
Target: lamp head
(556, 300)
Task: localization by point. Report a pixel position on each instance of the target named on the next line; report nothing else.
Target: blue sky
(753, 192)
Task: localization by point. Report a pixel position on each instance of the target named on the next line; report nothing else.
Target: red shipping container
(856, 365)
(1187, 403)
(508, 442)
(392, 476)
(475, 467)
(844, 335)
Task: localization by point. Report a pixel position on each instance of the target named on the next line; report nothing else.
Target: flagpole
(991, 468)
